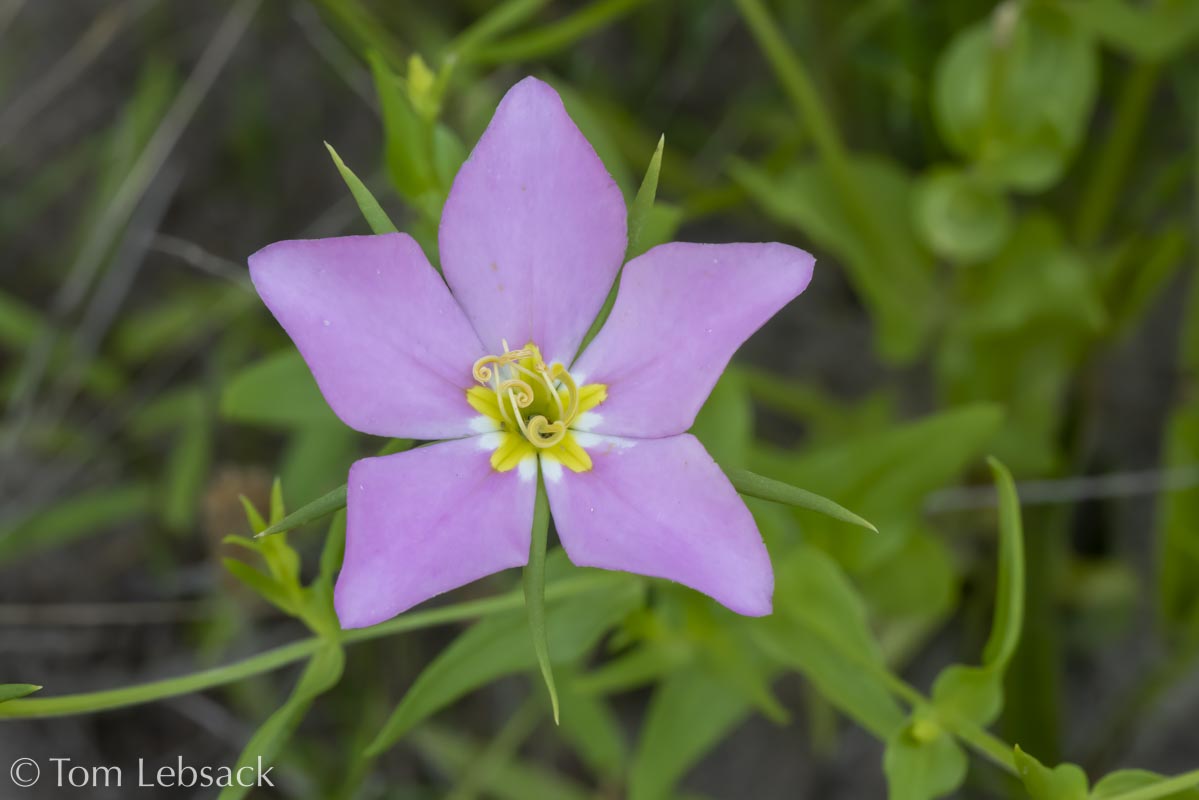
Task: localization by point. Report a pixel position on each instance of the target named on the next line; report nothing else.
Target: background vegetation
(1001, 201)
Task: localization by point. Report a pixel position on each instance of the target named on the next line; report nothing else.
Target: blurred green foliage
(1002, 189)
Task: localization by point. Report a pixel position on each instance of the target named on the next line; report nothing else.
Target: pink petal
(390, 349)
(662, 507)
(682, 311)
(533, 232)
(425, 521)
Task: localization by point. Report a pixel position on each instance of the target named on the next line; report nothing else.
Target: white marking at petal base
(551, 469)
(587, 421)
(592, 441)
(490, 441)
(527, 468)
(483, 424)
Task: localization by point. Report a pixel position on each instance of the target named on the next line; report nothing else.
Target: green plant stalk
(282, 656)
(533, 582)
(1115, 157)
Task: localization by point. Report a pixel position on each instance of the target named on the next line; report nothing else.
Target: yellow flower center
(536, 406)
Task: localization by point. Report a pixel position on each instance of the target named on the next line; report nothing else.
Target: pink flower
(532, 237)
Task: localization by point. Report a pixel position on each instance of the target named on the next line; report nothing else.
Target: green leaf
(266, 586)
(643, 203)
(321, 507)
(898, 291)
(499, 646)
(961, 217)
(534, 588)
(1139, 784)
(887, 475)
(690, 712)
(1009, 604)
(639, 211)
(923, 761)
(754, 485)
(725, 424)
(1014, 93)
(375, 216)
(322, 673)
(919, 580)
(277, 391)
(974, 694)
(15, 691)
(819, 627)
(1063, 782)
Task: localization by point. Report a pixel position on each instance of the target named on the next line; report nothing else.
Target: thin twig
(1069, 490)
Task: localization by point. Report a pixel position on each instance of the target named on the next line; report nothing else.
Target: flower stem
(271, 660)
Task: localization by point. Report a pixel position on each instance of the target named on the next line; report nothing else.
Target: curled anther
(482, 372)
(520, 391)
(543, 433)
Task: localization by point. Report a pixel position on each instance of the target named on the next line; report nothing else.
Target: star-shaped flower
(532, 236)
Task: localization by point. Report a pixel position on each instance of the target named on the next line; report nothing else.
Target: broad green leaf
(690, 711)
(819, 627)
(375, 216)
(725, 421)
(1063, 782)
(919, 580)
(277, 391)
(317, 458)
(923, 761)
(1014, 93)
(534, 589)
(15, 691)
(974, 694)
(74, 518)
(960, 216)
(322, 673)
(753, 485)
(499, 646)
(515, 780)
(1139, 783)
(323, 506)
(805, 196)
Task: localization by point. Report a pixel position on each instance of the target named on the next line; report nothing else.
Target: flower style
(532, 237)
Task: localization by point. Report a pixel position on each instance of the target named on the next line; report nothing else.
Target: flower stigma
(538, 407)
